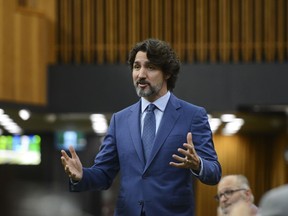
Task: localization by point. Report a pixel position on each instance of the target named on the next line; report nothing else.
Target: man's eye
(151, 67)
(136, 67)
(229, 192)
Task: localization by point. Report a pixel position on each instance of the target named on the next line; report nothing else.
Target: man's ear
(249, 195)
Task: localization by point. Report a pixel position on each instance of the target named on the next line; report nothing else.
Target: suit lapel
(170, 116)
(135, 131)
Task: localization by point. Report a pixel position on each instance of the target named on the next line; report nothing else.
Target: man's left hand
(190, 159)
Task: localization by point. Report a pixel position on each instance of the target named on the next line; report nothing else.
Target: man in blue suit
(160, 182)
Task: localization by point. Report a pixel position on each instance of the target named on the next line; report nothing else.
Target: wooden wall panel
(236, 29)
(29, 65)
(7, 81)
(191, 31)
(218, 31)
(112, 30)
(269, 30)
(168, 19)
(156, 17)
(25, 51)
(247, 30)
(258, 43)
(224, 30)
(77, 33)
(201, 30)
(282, 27)
(100, 31)
(213, 30)
(179, 28)
(250, 155)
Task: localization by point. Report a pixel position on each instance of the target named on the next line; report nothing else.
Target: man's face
(148, 79)
(230, 192)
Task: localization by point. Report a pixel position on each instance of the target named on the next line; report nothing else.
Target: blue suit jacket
(162, 190)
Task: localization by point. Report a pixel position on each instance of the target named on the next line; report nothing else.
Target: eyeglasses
(227, 194)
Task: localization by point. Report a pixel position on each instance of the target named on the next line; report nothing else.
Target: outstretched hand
(190, 158)
(72, 165)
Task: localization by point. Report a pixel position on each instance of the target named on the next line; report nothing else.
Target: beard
(149, 90)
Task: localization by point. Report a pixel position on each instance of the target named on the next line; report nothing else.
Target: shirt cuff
(73, 182)
(201, 169)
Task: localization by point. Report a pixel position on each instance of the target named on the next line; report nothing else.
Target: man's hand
(72, 166)
(190, 160)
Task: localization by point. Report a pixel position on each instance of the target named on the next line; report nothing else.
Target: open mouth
(142, 84)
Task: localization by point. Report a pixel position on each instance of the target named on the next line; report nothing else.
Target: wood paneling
(25, 50)
(217, 31)
(29, 62)
(251, 155)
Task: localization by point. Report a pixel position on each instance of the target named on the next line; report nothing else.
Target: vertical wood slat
(168, 17)
(67, 33)
(236, 26)
(86, 30)
(286, 32)
(201, 32)
(145, 19)
(213, 33)
(112, 30)
(100, 31)
(247, 26)
(77, 34)
(269, 36)
(258, 31)
(191, 28)
(133, 21)
(280, 30)
(224, 28)
(93, 31)
(61, 41)
(179, 28)
(123, 47)
(156, 8)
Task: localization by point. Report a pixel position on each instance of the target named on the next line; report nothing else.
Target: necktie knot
(151, 107)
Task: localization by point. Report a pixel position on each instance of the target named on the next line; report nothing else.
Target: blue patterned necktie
(149, 130)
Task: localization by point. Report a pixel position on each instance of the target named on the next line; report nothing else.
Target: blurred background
(63, 73)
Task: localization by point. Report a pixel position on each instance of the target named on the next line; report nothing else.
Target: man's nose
(142, 72)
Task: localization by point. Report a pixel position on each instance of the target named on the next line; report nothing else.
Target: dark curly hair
(161, 55)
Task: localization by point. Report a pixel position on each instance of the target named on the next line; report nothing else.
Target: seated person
(232, 189)
(275, 202)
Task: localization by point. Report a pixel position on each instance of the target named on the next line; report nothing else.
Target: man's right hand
(72, 165)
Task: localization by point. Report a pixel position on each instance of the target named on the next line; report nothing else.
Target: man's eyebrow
(145, 63)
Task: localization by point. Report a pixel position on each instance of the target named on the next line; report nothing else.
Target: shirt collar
(160, 102)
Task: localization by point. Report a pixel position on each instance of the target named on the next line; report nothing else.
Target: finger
(72, 151)
(64, 154)
(63, 161)
(178, 165)
(189, 138)
(178, 158)
(190, 142)
(184, 152)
